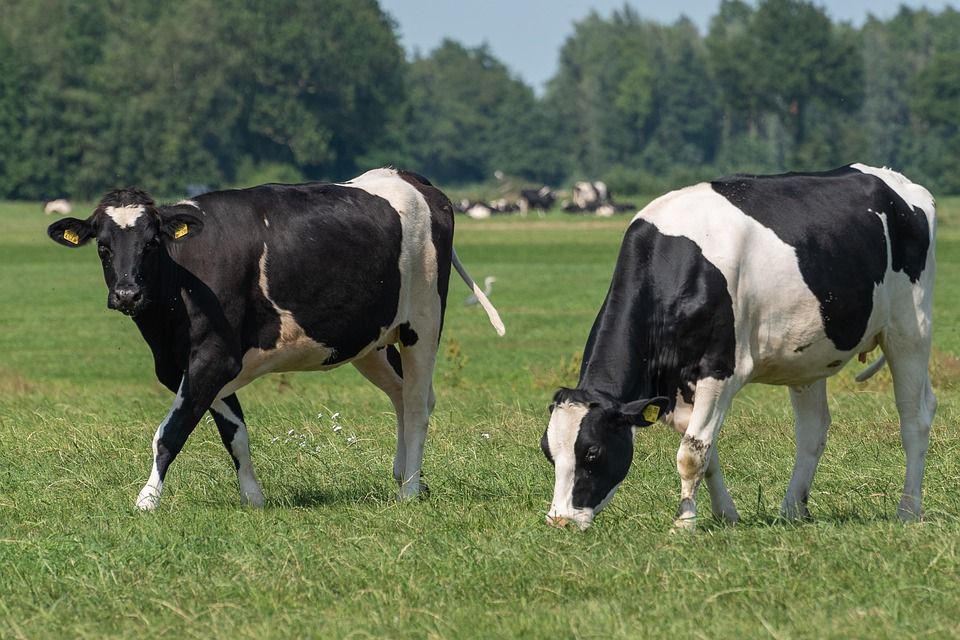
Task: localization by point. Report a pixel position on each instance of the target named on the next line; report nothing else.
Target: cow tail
(869, 372)
(481, 298)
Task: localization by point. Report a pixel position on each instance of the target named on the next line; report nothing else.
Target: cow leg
(811, 421)
(376, 368)
(418, 400)
(916, 404)
(197, 390)
(233, 432)
(721, 504)
(712, 400)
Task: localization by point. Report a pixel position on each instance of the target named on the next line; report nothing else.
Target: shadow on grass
(837, 517)
(286, 497)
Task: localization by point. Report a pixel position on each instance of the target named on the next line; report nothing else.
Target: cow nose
(126, 298)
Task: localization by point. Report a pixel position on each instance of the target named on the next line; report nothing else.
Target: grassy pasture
(333, 554)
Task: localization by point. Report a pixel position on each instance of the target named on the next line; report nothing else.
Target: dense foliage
(166, 95)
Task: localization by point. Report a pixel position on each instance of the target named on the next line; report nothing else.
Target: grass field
(333, 555)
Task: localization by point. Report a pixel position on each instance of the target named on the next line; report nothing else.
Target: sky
(526, 35)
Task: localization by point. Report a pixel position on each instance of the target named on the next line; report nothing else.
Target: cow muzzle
(128, 300)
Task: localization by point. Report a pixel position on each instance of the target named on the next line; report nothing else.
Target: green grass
(334, 555)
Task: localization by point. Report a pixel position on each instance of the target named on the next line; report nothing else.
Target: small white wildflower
(303, 444)
(290, 433)
(335, 416)
(275, 439)
(485, 435)
(317, 449)
(337, 428)
(353, 440)
(319, 416)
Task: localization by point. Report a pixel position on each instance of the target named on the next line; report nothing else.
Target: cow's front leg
(198, 388)
(712, 399)
(233, 432)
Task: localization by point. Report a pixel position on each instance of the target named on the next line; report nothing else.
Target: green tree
(467, 116)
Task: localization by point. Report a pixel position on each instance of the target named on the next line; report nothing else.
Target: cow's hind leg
(811, 421)
(712, 400)
(721, 504)
(418, 400)
(383, 368)
(916, 404)
(233, 432)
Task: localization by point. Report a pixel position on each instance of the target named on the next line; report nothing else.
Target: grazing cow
(235, 284)
(60, 206)
(479, 211)
(773, 279)
(542, 199)
(587, 196)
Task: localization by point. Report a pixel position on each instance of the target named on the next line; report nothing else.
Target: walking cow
(774, 279)
(235, 284)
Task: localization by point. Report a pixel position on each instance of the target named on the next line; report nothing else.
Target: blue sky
(527, 34)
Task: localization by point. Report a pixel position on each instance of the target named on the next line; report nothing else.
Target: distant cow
(60, 206)
(235, 284)
(587, 196)
(541, 199)
(773, 279)
(479, 211)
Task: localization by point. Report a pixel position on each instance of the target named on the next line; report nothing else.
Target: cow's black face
(130, 260)
(590, 443)
(132, 236)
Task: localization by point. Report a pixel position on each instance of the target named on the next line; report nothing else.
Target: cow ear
(180, 224)
(71, 232)
(643, 413)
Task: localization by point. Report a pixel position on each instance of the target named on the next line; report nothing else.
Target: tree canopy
(218, 93)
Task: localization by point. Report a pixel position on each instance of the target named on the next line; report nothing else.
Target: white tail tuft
(870, 371)
(481, 298)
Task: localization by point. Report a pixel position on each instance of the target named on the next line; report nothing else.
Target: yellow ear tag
(651, 412)
(180, 231)
(71, 236)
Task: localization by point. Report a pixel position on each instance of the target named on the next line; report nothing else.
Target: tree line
(166, 95)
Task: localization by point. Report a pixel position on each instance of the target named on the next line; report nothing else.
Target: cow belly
(301, 355)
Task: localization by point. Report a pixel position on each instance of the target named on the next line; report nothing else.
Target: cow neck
(613, 364)
(160, 322)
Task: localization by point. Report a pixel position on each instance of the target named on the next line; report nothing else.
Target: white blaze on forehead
(126, 216)
(562, 435)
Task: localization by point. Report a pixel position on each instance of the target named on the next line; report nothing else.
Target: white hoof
(149, 498)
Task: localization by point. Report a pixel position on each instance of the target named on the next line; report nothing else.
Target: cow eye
(553, 405)
(104, 251)
(593, 454)
(152, 243)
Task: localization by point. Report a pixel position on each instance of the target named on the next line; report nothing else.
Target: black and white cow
(540, 199)
(773, 279)
(235, 284)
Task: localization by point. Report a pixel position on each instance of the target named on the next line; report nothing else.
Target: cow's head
(132, 235)
(589, 441)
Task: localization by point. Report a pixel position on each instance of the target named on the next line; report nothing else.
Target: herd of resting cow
(771, 279)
